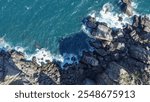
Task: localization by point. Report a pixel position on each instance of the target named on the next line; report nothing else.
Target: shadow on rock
(7, 67)
(45, 79)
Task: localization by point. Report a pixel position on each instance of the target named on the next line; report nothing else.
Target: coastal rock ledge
(119, 57)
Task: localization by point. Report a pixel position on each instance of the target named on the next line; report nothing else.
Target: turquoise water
(43, 23)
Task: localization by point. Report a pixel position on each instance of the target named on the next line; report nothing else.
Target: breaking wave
(106, 14)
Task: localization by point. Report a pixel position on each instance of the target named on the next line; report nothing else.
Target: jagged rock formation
(28, 72)
(125, 58)
(126, 7)
(119, 56)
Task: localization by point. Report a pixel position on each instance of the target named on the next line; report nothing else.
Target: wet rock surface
(16, 67)
(126, 7)
(118, 57)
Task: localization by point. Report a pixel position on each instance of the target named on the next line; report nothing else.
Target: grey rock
(90, 22)
(117, 46)
(134, 35)
(126, 7)
(113, 71)
(140, 54)
(146, 29)
(96, 45)
(135, 21)
(103, 32)
(145, 38)
(88, 81)
(103, 79)
(118, 74)
(1, 75)
(101, 52)
(90, 60)
(146, 21)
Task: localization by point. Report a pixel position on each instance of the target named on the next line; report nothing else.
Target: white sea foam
(4, 44)
(42, 55)
(106, 15)
(111, 17)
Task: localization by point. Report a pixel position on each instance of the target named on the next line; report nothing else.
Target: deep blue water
(44, 23)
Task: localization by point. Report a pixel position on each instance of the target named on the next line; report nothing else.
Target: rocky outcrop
(118, 57)
(90, 60)
(103, 32)
(140, 54)
(126, 7)
(16, 67)
(124, 58)
(114, 74)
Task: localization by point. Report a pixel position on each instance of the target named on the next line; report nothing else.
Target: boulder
(90, 60)
(140, 54)
(135, 21)
(127, 1)
(126, 7)
(90, 22)
(88, 81)
(101, 52)
(146, 29)
(95, 44)
(117, 46)
(145, 38)
(118, 74)
(146, 21)
(17, 56)
(103, 79)
(134, 35)
(103, 32)
(113, 71)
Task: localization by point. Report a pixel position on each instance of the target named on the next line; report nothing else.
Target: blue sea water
(50, 24)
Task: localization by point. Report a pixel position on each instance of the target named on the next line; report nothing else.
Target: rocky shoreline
(119, 57)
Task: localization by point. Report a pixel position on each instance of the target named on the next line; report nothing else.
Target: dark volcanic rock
(88, 82)
(140, 54)
(113, 71)
(114, 74)
(90, 22)
(103, 79)
(145, 38)
(135, 21)
(117, 56)
(90, 60)
(101, 52)
(126, 7)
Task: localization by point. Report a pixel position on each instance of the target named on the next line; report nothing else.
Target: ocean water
(53, 26)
